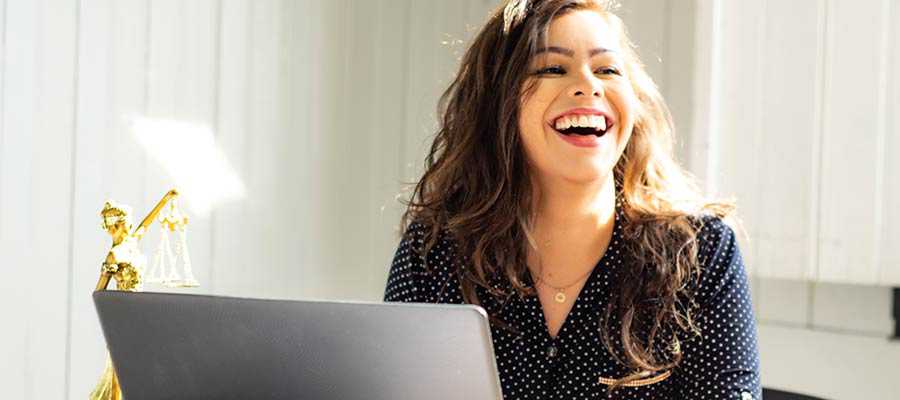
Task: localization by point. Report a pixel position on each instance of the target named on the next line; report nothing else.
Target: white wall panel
(349, 199)
(50, 206)
(739, 138)
(788, 126)
(262, 268)
(852, 131)
(390, 86)
(678, 79)
(229, 255)
(197, 103)
(300, 161)
(94, 142)
(35, 193)
(800, 135)
(369, 174)
(653, 17)
(9, 277)
(420, 87)
(664, 32)
(890, 179)
(181, 79)
(705, 101)
(109, 162)
(19, 98)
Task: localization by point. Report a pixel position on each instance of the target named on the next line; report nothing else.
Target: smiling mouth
(582, 125)
(582, 131)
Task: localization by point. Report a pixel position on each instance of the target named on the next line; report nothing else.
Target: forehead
(582, 31)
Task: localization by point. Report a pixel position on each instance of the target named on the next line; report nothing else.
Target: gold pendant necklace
(560, 296)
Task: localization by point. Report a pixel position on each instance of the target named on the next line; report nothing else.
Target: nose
(588, 83)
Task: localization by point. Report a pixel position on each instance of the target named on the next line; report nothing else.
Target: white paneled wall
(890, 180)
(804, 99)
(35, 193)
(802, 116)
(736, 166)
(323, 108)
(853, 131)
(783, 201)
(663, 31)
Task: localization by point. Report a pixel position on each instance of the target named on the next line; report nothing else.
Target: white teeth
(561, 124)
(565, 123)
(597, 122)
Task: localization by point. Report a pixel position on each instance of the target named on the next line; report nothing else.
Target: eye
(610, 70)
(559, 70)
(551, 70)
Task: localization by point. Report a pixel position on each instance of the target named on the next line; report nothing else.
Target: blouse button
(552, 351)
(746, 396)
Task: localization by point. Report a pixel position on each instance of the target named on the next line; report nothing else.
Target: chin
(586, 174)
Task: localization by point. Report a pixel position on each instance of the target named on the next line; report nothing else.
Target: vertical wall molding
(2, 86)
(883, 115)
(707, 97)
(73, 165)
(822, 90)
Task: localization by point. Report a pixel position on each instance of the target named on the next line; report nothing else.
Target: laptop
(179, 346)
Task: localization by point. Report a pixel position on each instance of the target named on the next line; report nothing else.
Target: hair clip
(514, 13)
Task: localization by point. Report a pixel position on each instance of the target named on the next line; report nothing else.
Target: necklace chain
(541, 281)
(560, 295)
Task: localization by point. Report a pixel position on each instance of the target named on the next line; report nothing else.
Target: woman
(551, 198)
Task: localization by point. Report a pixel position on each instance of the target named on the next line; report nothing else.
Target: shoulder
(436, 249)
(721, 267)
(715, 238)
(423, 267)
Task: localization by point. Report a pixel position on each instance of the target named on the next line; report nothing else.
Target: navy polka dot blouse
(722, 363)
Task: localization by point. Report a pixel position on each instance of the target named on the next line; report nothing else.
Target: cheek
(628, 107)
(626, 101)
(531, 115)
(529, 130)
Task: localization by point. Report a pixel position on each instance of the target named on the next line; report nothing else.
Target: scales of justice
(127, 265)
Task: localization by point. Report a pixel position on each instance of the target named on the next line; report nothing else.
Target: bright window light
(188, 153)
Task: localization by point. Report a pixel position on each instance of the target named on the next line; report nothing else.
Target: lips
(585, 111)
(583, 141)
(580, 129)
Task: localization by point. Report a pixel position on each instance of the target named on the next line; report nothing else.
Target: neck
(574, 211)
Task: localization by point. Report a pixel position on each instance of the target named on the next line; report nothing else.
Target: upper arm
(723, 363)
(407, 268)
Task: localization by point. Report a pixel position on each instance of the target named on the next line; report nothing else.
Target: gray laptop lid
(176, 346)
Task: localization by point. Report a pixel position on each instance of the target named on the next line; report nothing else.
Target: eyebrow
(567, 52)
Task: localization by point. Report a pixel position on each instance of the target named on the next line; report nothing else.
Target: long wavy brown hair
(477, 186)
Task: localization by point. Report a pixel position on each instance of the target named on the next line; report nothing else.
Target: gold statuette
(126, 264)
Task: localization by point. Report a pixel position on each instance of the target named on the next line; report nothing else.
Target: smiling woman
(551, 198)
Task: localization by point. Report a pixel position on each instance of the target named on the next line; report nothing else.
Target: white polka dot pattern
(723, 363)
